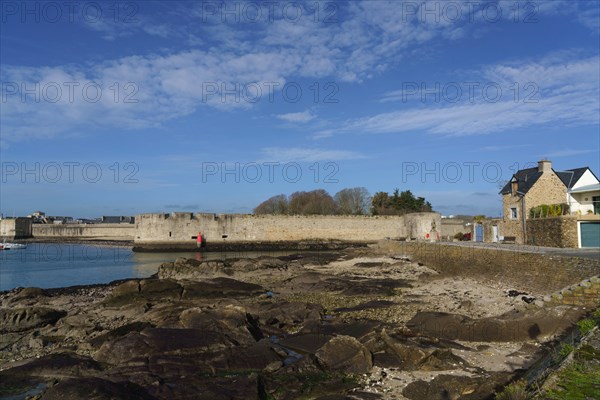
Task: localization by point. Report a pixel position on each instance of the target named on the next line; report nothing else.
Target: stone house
(576, 190)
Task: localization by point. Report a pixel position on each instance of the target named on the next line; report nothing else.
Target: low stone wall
(488, 224)
(512, 228)
(125, 232)
(452, 226)
(586, 293)
(553, 232)
(535, 273)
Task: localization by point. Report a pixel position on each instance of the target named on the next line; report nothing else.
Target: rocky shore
(350, 324)
(282, 245)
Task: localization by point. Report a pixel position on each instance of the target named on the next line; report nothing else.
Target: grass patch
(587, 353)
(577, 382)
(565, 350)
(309, 385)
(515, 391)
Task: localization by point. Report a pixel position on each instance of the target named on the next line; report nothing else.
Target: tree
(353, 201)
(316, 202)
(349, 201)
(381, 204)
(398, 203)
(275, 205)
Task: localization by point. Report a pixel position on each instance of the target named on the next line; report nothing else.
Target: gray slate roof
(526, 178)
(565, 176)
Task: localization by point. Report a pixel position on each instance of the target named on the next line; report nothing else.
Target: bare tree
(275, 205)
(316, 202)
(353, 201)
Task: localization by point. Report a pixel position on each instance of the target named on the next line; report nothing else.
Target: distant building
(38, 217)
(117, 219)
(88, 220)
(58, 220)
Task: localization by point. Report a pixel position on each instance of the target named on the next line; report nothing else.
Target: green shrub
(548, 210)
(586, 325)
(565, 350)
(458, 235)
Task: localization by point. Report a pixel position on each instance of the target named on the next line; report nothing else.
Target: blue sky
(123, 108)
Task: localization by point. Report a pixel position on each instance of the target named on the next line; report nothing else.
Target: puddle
(28, 394)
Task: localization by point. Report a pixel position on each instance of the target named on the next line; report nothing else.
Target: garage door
(590, 234)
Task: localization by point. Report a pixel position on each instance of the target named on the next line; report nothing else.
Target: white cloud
(367, 39)
(113, 26)
(555, 91)
(134, 92)
(590, 17)
(304, 116)
(299, 154)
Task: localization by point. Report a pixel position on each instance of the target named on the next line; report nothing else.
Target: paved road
(592, 253)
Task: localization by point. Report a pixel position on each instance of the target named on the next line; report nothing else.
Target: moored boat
(12, 246)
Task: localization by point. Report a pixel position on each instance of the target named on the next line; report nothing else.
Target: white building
(583, 191)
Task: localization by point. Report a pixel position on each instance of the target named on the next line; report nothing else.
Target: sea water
(53, 265)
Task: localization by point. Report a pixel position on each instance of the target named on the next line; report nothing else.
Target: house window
(596, 204)
(513, 213)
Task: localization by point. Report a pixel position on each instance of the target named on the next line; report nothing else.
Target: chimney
(544, 166)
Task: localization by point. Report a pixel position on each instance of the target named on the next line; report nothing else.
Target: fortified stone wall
(553, 232)
(182, 228)
(15, 228)
(125, 232)
(535, 273)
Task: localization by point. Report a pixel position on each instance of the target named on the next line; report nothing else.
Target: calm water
(51, 265)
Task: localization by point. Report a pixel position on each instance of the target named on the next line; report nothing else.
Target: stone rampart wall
(182, 228)
(124, 232)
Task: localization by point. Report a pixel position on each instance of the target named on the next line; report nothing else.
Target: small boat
(12, 246)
